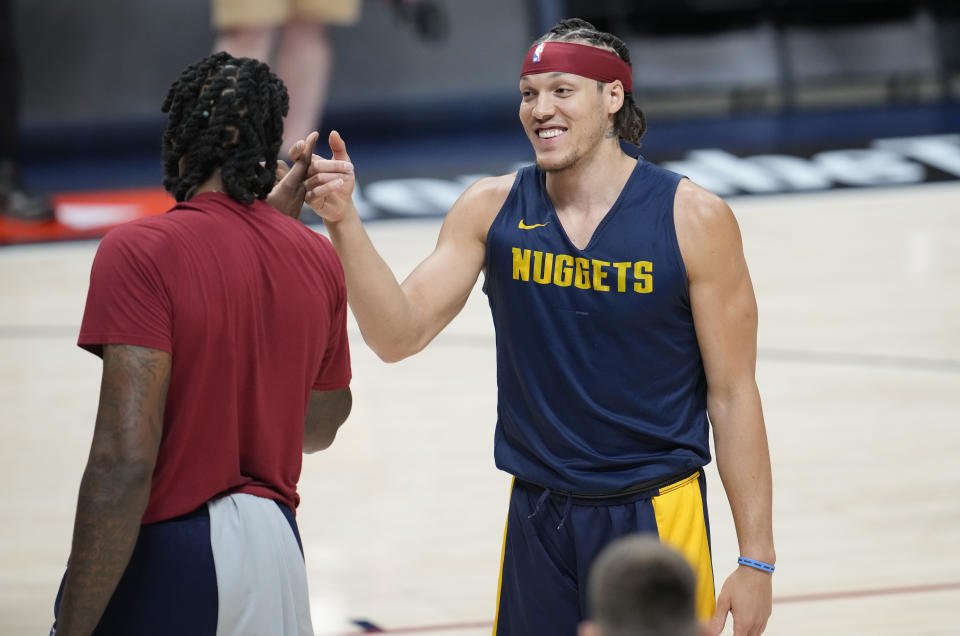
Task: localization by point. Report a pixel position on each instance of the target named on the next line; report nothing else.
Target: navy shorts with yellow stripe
(552, 538)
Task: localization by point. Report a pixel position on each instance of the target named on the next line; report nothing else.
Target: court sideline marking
(779, 600)
(837, 358)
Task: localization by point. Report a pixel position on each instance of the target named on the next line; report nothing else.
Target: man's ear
(615, 97)
(588, 628)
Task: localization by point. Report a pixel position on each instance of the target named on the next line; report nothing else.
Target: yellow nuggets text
(564, 270)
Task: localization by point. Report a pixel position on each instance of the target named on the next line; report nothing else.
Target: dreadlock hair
(629, 122)
(226, 113)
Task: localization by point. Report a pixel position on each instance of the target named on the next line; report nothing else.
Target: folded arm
(115, 488)
(326, 411)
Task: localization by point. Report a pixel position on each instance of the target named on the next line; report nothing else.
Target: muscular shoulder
(701, 210)
(706, 227)
(480, 203)
(489, 192)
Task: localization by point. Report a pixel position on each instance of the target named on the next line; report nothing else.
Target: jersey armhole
(508, 201)
(675, 241)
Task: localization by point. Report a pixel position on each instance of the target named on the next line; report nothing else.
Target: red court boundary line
(796, 598)
(887, 591)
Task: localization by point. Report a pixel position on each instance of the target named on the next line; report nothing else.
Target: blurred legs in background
(15, 201)
(293, 38)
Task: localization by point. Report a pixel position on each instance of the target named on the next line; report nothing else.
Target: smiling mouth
(550, 133)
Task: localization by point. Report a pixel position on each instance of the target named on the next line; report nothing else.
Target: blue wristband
(759, 565)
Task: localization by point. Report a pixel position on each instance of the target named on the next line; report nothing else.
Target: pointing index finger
(338, 146)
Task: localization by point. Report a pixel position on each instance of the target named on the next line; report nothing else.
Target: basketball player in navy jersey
(624, 314)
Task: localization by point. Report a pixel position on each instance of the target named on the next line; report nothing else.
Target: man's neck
(213, 184)
(593, 184)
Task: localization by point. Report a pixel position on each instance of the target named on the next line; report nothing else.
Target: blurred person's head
(225, 114)
(640, 587)
(582, 119)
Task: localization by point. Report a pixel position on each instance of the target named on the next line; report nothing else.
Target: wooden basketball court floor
(402, 518)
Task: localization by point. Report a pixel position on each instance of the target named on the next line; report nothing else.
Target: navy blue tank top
(600, 382)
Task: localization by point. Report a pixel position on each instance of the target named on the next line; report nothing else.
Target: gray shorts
(232, 567)
(261, 576)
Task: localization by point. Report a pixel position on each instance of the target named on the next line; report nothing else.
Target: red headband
(579, 59)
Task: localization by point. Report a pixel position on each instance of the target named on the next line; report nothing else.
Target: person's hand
(289, 190)
(748, 595)
(330, 182)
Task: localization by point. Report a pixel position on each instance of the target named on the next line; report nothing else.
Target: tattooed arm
(115, 487)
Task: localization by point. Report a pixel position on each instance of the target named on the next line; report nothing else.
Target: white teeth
(550, 132)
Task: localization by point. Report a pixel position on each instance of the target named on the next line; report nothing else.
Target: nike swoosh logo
(524, 226)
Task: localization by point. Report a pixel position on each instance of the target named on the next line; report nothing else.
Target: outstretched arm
(399, 320)
(115, 487)
(725, 315)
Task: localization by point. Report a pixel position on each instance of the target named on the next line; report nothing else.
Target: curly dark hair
(226, 113)
(629, 122)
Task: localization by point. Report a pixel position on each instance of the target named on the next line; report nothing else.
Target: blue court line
(367, 626)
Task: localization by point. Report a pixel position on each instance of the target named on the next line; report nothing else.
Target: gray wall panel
(113, 60)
